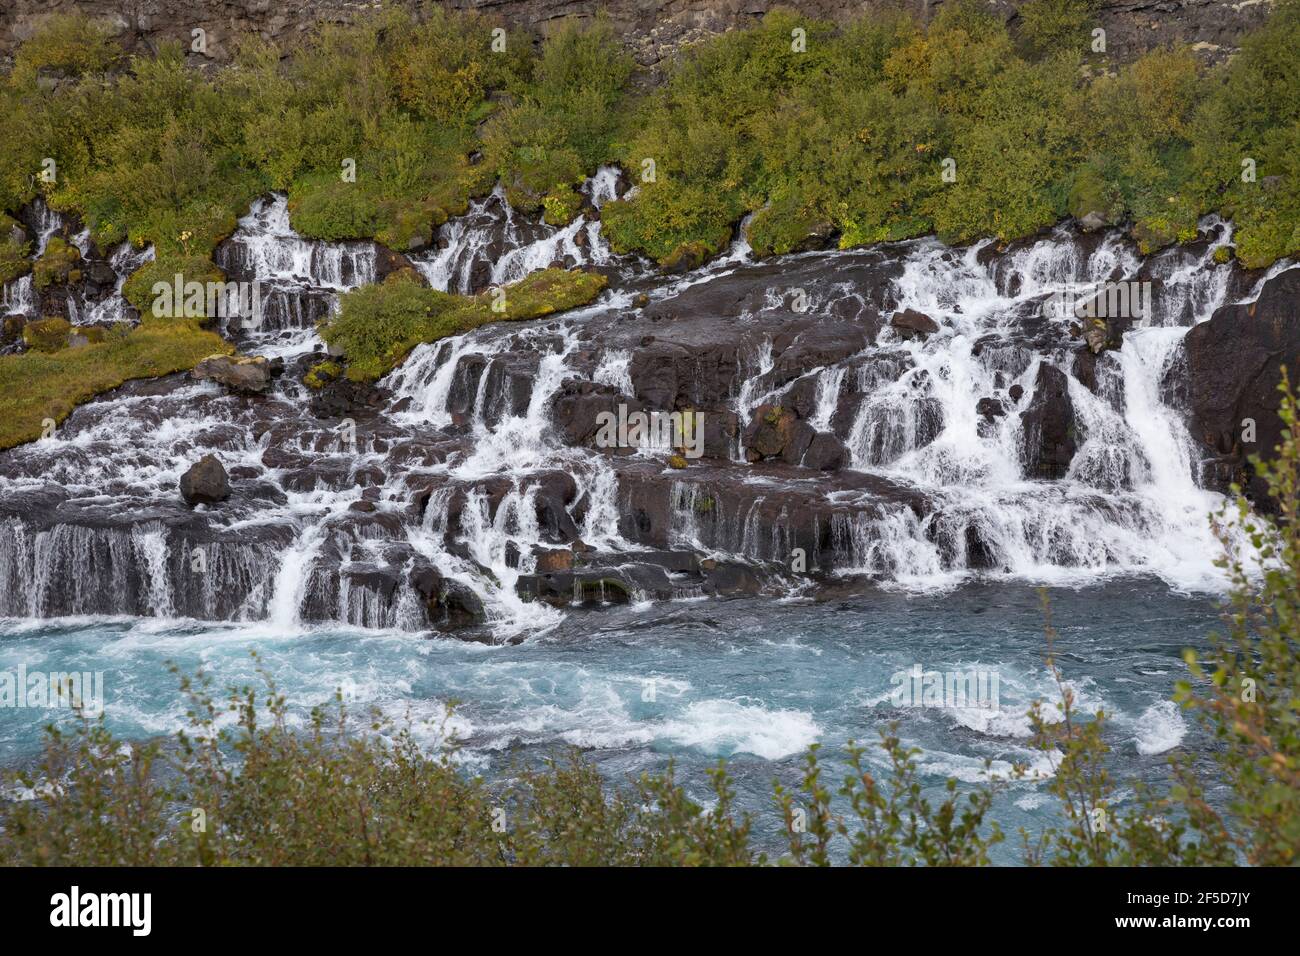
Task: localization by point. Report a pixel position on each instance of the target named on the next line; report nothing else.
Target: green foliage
(377, 325)
(371, 127)
(47, 335)
(14, 248)
(36, 385)
(69, 45)
(57, 265)
(138, 289)
(1052, 26)
(1251, 111)
(562, 124)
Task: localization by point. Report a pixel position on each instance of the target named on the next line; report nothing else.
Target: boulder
(911, 324)
(770, 430)
(242, 373)
(1049, 431)
(449, 603)
(825, 453)
(205, 482)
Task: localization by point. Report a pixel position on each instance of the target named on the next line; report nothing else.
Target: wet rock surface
(907, 415)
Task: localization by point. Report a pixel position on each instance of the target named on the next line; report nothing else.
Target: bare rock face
(1234, 364)
(1049, 443)
(825, 453)
(206, 482)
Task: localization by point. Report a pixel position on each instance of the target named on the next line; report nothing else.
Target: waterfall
(462, 469)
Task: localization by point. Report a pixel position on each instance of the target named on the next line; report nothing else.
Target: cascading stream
(470, 472)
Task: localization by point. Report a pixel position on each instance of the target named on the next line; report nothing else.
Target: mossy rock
(321, 374)
(377, 325)
(47, 335)
(560, 206)
(1094, 202)
(686, 257)
(58, 264)
(676, 461)
(786, 226)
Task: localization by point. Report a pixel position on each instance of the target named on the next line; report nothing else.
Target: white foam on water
(1160, 729)
(727, 727)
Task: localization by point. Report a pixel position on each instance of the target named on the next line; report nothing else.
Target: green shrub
(378, 325)
(68, 44)
(1052, 26)
(14, 248)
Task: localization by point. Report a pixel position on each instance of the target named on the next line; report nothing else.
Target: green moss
(57, 265)
(321, 374)
(1093, 196)
(378, 325)
(561, 205)
(783, 225)
(690, 255)
(47, 335)
(36, 386)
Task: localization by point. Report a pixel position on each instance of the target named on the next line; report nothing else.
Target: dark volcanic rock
(1049, 440)
(912, 324)
(772, 430)
(825, 453)
(205, 482)
(449, 603)
(1234, 364)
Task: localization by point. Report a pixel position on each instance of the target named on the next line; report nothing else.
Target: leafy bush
(563, 122)
(67, 44)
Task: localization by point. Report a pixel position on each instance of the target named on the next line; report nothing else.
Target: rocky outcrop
(911, 324)
(653, 31)
(1234, 366)
(1048, 423)
(205, 482)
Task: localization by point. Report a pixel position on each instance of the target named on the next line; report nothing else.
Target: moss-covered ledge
(41, 385)
(378, 325)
